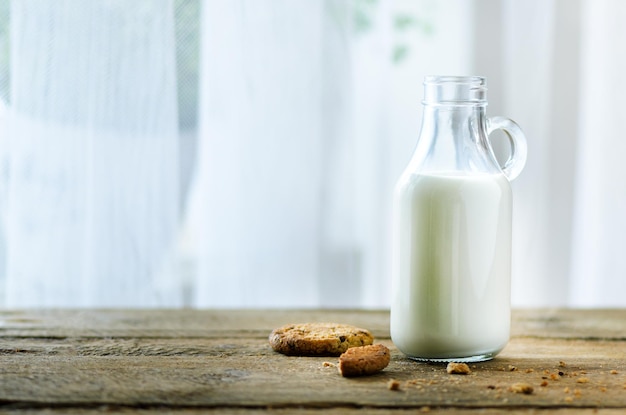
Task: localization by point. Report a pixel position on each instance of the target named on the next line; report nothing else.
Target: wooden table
(186, 361)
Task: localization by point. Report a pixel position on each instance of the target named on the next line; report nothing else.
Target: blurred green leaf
(400, 53)
(426, 28)
(362, 22)
(403, 22)
(362, 15)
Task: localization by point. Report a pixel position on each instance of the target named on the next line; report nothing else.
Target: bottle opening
(455, 90)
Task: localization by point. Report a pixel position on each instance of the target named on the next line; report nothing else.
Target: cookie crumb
(554, 376)
(566, 390)
(568, 399)
(562, 364)
(425, 409)
(582, 380)
(393, 385)
(544, 383)
(454, 368)
(328, 364)
(491, 386)
(524, 388)
(512, 368)
(614, 372)
(529, 370)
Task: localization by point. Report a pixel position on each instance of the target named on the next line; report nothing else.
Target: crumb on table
(393, 385)
(454, 368)
(524, 388)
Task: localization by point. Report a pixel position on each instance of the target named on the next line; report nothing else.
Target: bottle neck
(454, 123)
(453, 139)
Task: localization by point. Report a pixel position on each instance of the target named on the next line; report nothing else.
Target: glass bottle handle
(517, 140)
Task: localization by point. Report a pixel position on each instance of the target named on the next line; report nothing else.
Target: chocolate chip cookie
(318, 339)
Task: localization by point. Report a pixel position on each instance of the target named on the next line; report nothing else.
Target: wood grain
(187, 361)
(559, 323)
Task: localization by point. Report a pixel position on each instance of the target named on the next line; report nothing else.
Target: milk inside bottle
(452, 230)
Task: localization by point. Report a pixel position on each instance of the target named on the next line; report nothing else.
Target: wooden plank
(571, 323)
(188, 361)
(174, 323)
(307, 411)
(246, 373)
(549, 323)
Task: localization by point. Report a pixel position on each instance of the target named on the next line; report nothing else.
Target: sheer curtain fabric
(243, 153)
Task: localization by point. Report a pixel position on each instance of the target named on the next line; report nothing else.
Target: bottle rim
(455, 79)
(455, 90)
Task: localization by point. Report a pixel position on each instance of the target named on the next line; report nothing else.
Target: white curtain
(598, 263)
(224, 153)
(562, 65)
(90, 151)
(307, 118)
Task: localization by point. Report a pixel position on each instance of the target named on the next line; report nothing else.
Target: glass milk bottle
(452, 229)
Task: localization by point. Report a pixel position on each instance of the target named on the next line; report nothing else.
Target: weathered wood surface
(199, 361)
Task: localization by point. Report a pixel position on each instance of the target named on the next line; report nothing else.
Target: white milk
(452, 264)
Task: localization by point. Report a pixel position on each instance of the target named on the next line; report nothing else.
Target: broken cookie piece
(364, 360)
